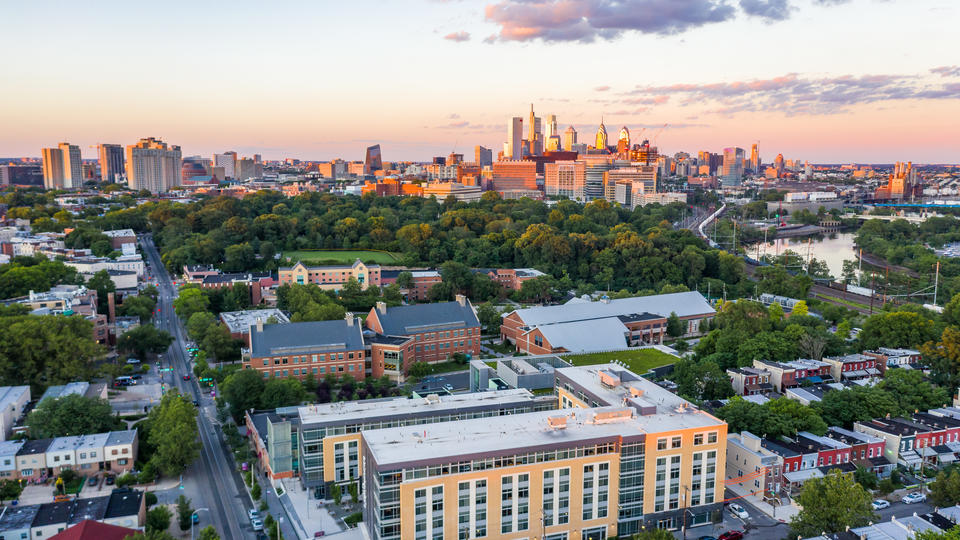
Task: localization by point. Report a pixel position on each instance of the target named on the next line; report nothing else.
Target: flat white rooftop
(449, 441)
(371, 409)
(628, 388)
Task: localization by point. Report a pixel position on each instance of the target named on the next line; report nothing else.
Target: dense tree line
(596, 243)
(24, 274)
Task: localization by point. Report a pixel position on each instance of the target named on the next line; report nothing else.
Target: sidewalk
(779, 513)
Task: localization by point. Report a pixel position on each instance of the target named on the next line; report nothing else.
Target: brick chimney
(461, 299)
(381, 307)
(259, 324)
(111, 307)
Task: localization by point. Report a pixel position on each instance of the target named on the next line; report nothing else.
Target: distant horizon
(816, 80)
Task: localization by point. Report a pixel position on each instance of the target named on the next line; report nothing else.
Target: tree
(151, 535)
(158, 519)
(702, 380)
(776, 312)
(489, 317)
(865, 477)
(912, 392)
(675, 327)
(458, 276)
(800, 309)
(242, 389)
(943, 357)
(945, 490)
(405, 279)
(102, 283)
(336, 493)
(10, 490)
(220, 344)
(45, 350)
(930, 534)
(418, 370)
(184, 513)
(951, 311)
(282, 393)
(831, 504)
(141, 306)
(190, 300)
(173, 432)
(71, 415)
(199, 323)
(896, 329)
(654, 534)
(209, 533)
(144, 339)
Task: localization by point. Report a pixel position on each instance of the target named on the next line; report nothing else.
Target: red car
(186, 377)
(731, 535)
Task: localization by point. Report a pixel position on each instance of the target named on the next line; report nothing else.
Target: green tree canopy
(831, 504)
(144, 339)
(243, 390)
(71, 415)
(896, 329)
(173, 432)
(102, 283)
(158, 520)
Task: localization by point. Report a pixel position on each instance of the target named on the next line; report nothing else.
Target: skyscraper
(778, 164)
(72, 166)
(372, 161)
(623, 142)
(569, 139)
(227, 160)
(52, 168)
(111, 162)
(514, 146)
(153, 165)
(732, 166)
(535, 137)
(601, 137)
(483, 156)
(565, 179)
(248, 169)
(755, 158)
(551, 129)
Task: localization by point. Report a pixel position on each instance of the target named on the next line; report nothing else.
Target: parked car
(731, 535)
(92, 481)
(913, 498)
(186, 377)
(196, 403)
(880, 504)
(196, 518)
(132, 361)
(110, 480)
(253, 514)
(257, 524)
(738, 511)
(707, 538)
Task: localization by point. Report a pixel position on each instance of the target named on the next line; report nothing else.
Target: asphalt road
(213, 475)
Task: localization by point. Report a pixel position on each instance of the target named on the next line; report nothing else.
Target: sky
(829, 81)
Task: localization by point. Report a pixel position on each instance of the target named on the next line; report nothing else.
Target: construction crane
(658, 134)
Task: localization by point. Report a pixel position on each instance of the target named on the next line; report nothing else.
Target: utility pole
(936, 282)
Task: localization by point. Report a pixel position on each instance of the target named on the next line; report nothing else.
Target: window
(698, 439)
(712, 437)
(661, 444)
(675, 442)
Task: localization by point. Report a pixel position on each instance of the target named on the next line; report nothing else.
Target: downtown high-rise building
(249, 169)
(565, 179)
(111, 162)
(569, 139)
(535, 136)
(62, 167)
(601, 141)
(755, 158)
(732, 166)
(483, 156)
(372, 161)
(227, 160)
(513, 148)
(153, 165)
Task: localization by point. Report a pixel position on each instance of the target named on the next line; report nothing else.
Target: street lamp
(195, 512)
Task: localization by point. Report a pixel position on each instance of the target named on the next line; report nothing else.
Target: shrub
(151, 498)
(128, 479)
(255, 491)
(353, 519)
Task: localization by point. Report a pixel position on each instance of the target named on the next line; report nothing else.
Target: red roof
(94, 530)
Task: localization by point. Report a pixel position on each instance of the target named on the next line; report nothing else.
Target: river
(831, 248)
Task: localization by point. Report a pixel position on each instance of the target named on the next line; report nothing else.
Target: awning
(814, 379)
(880, 461)
(927, 451)
(855, 374)
(872, 371)
(947, 458)
(909, 458)
(798, 477)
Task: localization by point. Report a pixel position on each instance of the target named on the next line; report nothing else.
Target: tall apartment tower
(732, 166)
(227, 160)
(52, 168)
(483, 156)
(514, 146)
(111, 162)
(372, 161)
(153, 165)
(755, 158)
(569, 139)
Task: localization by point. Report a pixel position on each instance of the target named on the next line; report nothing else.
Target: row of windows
(315, 358)
(446, 334)
(665, 443)
(445, 345)
(348, 368)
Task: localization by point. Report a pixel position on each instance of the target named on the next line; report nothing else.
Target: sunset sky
(823, 80)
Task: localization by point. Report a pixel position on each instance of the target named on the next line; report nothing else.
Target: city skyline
(827, 91)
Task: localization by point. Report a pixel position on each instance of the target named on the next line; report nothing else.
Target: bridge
(911, 218)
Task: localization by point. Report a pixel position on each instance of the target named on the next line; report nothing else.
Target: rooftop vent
(557, 422)
(432, 399)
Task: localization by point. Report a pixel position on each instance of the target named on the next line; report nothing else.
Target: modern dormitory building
(584, 326)
(394, 339)
(321, 443)
(622, 455)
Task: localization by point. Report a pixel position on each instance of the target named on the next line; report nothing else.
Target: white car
(913, 498)
(738, 511)
(880, 504)
(257, 524)
(253, 514)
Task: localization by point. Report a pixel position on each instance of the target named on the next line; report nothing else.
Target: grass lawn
(638, 360)
(447, 367)
(492, 364)
(342, 256)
